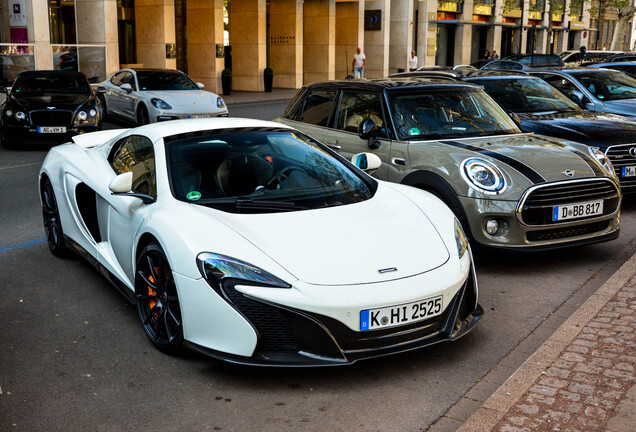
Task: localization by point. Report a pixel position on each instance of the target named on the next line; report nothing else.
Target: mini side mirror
(368, 130)
(126, 87)
(367, 162)
(200, 85)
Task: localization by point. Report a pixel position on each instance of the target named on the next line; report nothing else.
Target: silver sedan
(144, 96)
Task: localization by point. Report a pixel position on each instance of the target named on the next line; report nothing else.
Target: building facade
(302, 41)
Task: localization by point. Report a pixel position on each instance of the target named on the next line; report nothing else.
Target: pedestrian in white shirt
(413, 61)
(359, 60)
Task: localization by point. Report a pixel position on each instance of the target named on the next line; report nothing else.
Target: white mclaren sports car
(143, 96)
(251, 242)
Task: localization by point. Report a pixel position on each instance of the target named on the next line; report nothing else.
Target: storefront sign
(17, 13)
(577, 25)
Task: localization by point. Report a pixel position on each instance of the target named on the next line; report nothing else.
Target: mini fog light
(492, 226)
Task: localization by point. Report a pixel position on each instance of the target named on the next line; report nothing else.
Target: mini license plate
(52, 129)
(578, 210)
(200, 116)
(629, 171)
(391, 316)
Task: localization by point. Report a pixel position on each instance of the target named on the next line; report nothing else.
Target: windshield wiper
(249, 203)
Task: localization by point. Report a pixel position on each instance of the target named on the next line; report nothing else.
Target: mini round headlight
(82, 115)
(8, 113)
(483, 175)
(602, 159)
(20, 115)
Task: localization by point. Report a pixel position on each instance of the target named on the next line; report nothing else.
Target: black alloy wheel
(142, 115)
(52, 223)
(157, 299)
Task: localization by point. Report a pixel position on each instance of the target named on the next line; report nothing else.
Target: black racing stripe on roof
(208, 132)
(524, 169)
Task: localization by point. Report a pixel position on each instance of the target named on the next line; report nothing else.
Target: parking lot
(74, 356)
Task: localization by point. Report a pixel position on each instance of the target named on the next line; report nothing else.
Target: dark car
(544, 110)
(537, 60)
(628, 67)
(48, 107)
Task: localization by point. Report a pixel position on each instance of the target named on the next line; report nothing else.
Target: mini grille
(558, 233)
(51, 118)
(620, 157)
(539, 205)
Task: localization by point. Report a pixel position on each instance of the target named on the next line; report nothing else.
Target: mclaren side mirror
(367, 162)
(368, 130)
(122, 186)
(126, 87)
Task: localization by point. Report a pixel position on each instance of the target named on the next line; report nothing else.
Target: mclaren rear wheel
(157, 299)
(52, 223)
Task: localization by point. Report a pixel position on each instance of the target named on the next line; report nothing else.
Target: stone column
(319, 40)
(154, 22)
(249, 47)
(427, 32)
(523, 34)
(286, 43)
(96, 23)
(400, 35)
(464, 35)
(493, 37)
(349, 35)
(40, 35)
(205, 31)
(377, 42)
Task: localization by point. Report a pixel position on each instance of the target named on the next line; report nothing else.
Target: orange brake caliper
(152, 303)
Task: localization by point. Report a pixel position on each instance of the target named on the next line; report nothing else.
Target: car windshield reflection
(165, 80)
(44, 83)
(261, 171)
(448, 113)
(523, 95)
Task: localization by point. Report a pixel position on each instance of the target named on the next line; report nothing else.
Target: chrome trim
(462, 172)
(531, 189)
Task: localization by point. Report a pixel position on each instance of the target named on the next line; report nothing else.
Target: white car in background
(251, 242)
(144, 96)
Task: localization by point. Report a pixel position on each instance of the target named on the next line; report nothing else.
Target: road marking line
(6, 167)
(21, 245)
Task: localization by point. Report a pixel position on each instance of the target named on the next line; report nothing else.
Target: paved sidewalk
(581, 379)
(246, 97)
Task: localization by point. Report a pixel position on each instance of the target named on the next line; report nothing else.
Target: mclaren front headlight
(603, 160)
(460, 239)
(216, 268)
(483, 176)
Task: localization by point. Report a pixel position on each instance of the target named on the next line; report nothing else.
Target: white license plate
(578, 210)
(52, 129)
(391, 316)
(201, 116)
(629, 171)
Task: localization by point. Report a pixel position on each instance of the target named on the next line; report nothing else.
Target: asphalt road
(73, 355)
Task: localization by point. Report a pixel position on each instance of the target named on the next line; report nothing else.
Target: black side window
(136, 153)
(317, 108)
(116, 79)
(357, 107)
(563, 84)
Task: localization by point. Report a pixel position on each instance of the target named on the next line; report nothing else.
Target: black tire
(142, 115)
(52, 223)
(157, 300)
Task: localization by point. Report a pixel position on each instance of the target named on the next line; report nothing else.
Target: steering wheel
(282, 175)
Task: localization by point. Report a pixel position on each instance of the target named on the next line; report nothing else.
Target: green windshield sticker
(193, 196)
(414, 131)
(601, 97)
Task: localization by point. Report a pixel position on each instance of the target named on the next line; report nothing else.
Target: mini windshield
(607, 84)
(261, 171)
(449, 112)
(523, 95)
(51, 83)
(164, 80)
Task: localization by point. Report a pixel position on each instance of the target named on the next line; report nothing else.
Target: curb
(497, 405)
(257, 102)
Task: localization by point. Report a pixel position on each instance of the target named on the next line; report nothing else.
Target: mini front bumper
(291, 337)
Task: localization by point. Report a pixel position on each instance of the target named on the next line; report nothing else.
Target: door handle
(398, 161)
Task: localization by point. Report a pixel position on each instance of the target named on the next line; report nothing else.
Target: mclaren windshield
(447, 112)
(261, 171)
(525, 95)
